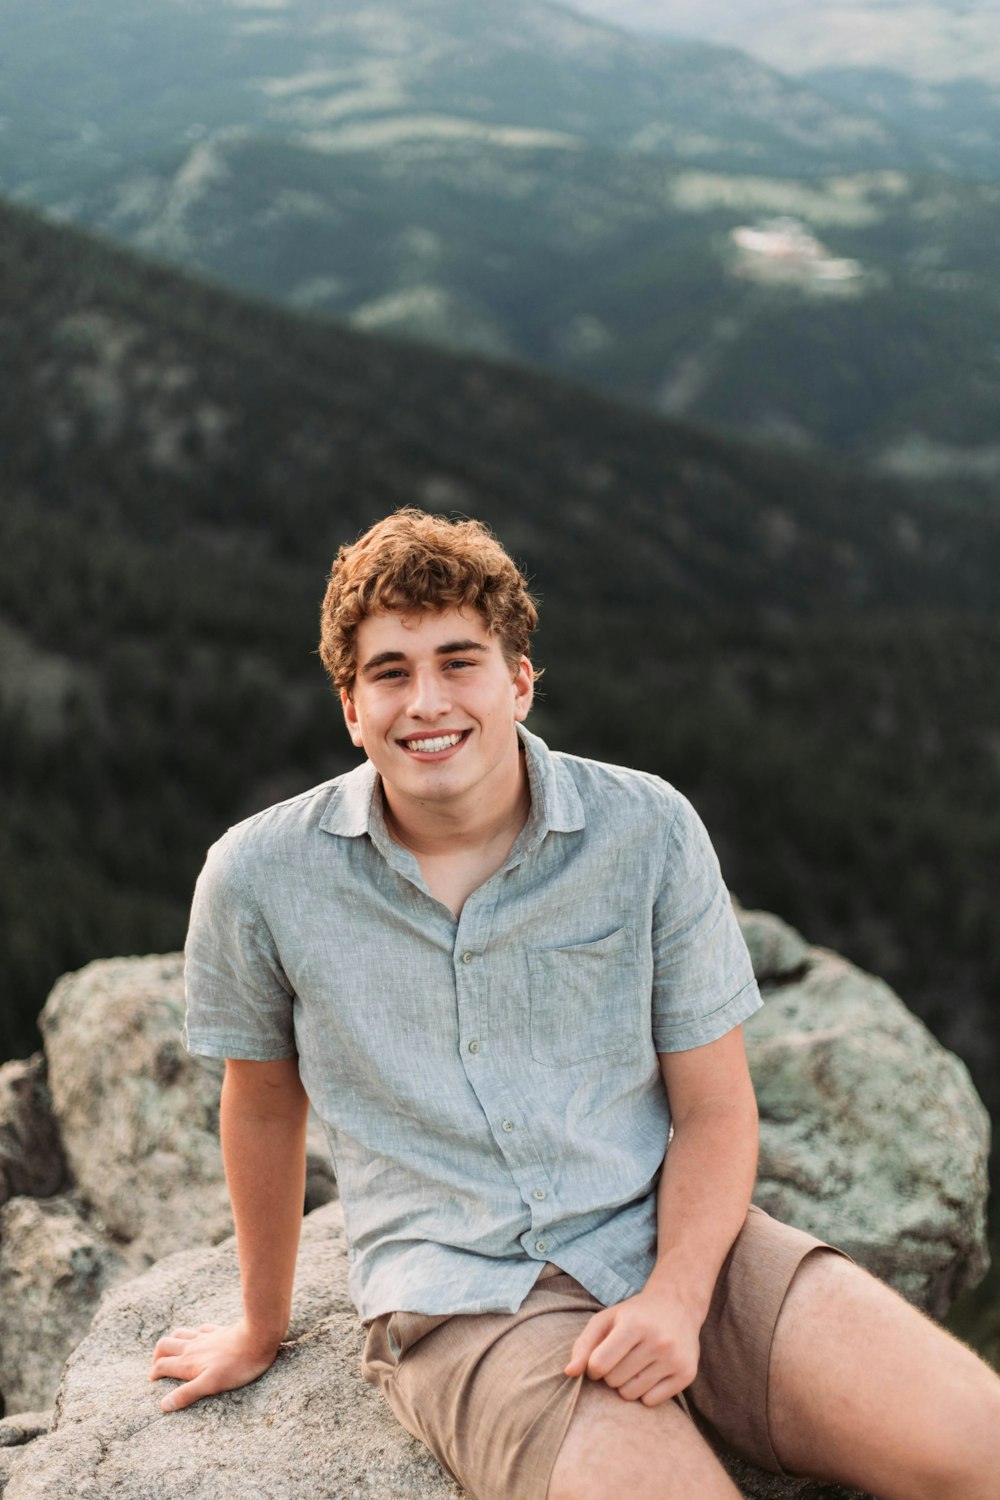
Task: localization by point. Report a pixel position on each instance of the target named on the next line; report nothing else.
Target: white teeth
(429, 747)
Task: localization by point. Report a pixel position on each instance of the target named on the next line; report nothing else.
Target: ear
(524, 689)
(351, 718)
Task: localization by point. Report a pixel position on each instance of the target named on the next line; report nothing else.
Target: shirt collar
(349, 810)
(555, 802)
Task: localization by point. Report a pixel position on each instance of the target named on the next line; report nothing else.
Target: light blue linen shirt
(489, 1084)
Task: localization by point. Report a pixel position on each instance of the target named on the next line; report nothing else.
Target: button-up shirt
(489, 1083)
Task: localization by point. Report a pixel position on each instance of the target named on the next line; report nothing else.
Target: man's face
(434, 705)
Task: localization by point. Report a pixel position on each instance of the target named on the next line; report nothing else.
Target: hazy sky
(935, 40)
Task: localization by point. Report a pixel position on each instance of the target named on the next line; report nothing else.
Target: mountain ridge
(311, 68)
(530, 184)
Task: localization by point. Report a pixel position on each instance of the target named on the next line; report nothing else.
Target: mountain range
(91, 87)
(935, 39)
(931, 70)
(526, 183)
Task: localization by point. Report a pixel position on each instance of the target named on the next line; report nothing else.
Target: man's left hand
(645, 1348)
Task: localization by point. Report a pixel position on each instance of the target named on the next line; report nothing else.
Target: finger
(593, 1332)
(617, 1344)
(662, 1392)
(629, 1368)
(188, 1394)
(172, 1345)
(647, 1379)
(208, 1327)
(171, 1367)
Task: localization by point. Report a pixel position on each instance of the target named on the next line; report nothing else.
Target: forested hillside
(810, 655)
(869, 335)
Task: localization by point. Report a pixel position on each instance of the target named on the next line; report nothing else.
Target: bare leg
(866, 1391)
(615, 1447)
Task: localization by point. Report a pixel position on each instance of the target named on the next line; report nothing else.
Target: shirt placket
(485, 1072)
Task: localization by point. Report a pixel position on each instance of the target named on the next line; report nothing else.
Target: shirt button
(539, 1193)
(507, 1125)
(473, 1046)
(466, 958)
(541, 1246)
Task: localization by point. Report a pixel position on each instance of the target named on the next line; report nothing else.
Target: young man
(501, 975)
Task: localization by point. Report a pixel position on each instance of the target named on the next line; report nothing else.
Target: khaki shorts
(487, 1395)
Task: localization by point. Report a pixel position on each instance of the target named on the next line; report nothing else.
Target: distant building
(785, 250)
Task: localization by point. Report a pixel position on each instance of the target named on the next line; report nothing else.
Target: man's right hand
(207, 1360)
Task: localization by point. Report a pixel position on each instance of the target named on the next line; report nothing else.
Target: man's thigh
(868, 1391)
(615, 1447)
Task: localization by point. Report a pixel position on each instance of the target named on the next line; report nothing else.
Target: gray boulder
(872, 1135)
(138, 1117)
(139, 1120)
(777, 951)
(53, 1268)
(310, 1427)
(31, 1158)
(24, 1428)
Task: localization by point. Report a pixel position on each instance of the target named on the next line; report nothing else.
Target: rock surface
(872, 1135)
(309, 1429)
(53, 1268)
(139, 1120)
(31, 1158)
(15, 1431)
(138, 1117)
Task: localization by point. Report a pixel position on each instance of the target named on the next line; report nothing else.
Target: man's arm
(263, 1129)
(647, 1347)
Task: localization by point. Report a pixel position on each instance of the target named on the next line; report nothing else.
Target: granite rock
(31, 1157)
(139, 1121)
(309, 1429)
(138, 1117)
(53, 1268)
(872, 1134)
(24, 1428)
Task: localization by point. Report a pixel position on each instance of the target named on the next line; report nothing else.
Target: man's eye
(389, 673)
(458, 663)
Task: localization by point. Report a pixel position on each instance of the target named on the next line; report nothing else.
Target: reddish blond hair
(412, 562)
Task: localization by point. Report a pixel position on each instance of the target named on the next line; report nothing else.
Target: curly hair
(411, 562)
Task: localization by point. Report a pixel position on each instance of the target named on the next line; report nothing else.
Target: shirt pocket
(585, 1001)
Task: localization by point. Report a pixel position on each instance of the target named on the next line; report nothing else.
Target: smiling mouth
(433, 744)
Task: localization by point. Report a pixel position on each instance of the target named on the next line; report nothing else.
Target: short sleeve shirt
(489, 1084)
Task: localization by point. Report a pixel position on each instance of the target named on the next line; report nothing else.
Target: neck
(431, 829)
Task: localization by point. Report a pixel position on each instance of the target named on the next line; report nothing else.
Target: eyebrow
(449, 648)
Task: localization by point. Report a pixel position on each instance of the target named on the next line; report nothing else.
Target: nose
(429, 697)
